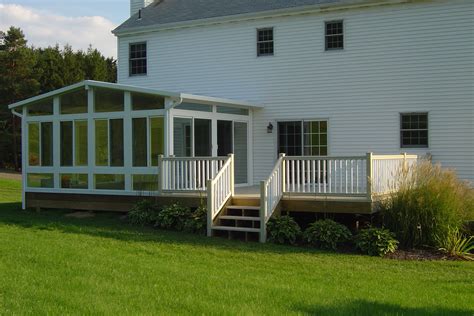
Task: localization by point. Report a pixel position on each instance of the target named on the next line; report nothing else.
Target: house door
(232, 138)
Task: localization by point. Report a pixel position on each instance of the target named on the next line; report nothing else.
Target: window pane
(74, 181)
(182, 137)
(240, 151)
(116, 142)
(101, 143)
(66, 143)
(228, 110)
(157, 138)
(40, 180)
(74, 102)
(202, 138)
(109, 181)
(81, 143)
(47, 144)
(145, 182)
(108, 100)
(194, 107)
(33, 144)
(43, 107)
(141, 101)
(414, 130)
(139, 135)
(289, 138)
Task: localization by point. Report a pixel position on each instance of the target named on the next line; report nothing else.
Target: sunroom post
(24, 139)
(128, 142)
(369, 176)
(90, 138)
(56, 143)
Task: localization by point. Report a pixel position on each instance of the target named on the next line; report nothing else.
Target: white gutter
(17, 114)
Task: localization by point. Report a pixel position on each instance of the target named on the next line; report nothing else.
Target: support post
(232, 177)
(263, 211)
(283, 173)
(405, 162)
(369, 176)
(161, 175)
(210, 207)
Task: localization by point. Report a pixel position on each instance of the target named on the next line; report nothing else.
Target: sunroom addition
(103, 138)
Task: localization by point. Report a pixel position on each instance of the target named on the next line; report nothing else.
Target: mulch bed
(420, 254)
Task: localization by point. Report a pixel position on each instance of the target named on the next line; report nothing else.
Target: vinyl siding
(416, 57)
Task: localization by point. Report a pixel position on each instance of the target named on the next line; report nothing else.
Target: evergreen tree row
(26, 71)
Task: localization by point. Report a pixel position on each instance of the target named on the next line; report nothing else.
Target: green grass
(52, 264)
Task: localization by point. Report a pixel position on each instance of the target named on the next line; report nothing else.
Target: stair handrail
(271, 192)
(219, 190)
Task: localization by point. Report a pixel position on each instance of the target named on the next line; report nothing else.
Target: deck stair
(238, 222)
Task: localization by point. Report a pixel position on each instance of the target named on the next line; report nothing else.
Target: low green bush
(173, 217)
(457, 244)
(196, 222)
(283, 230)
(428, 201)
(376, 241)
(145, 212)
(327, 234)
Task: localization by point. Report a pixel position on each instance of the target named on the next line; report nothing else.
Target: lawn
(52, 264)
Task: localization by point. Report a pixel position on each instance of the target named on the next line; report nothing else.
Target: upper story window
(334, 35)
(137, 57)
(265, 42)
(414, 130)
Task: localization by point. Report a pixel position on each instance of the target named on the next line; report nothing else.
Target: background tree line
(26, 71)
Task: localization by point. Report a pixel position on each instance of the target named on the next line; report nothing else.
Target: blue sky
(78, 23)
(114, 10)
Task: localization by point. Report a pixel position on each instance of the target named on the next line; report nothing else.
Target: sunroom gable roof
(130, 88)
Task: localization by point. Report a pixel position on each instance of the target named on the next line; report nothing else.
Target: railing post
(210, 207)
(161, 175)
(369, 176)
(263, 211)
(283, 173)
(232, 180)
(405, 162)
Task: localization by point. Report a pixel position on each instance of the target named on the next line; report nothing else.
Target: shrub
(376, 241)
(327, 234)
(429, 199)
(143, 213)
(283, 230)
(173, 216)
(457, 244)
(196, 222)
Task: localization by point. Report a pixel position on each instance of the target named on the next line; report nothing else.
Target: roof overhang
(173, 95)
(307, 9)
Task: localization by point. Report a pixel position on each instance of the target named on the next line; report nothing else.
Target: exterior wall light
(270, 128)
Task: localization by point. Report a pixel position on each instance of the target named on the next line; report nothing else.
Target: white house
(322, 81)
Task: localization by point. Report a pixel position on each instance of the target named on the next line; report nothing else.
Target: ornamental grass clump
(327, 234)
(428, 201)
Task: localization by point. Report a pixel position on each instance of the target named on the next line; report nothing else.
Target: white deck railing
(219, 190)
(386, 168)
(326, 175)
(187, 174)
(271, 192)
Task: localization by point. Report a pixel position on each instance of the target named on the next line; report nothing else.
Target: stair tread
(243, 207)
(243, 218)
(239, 229)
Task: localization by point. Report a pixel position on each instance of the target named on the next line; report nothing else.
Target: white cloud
(44, 29)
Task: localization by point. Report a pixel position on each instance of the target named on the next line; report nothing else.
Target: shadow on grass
(112, 225)
(364, 307)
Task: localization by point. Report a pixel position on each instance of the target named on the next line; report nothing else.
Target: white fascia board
(192, 98)
(47, 95)
(99, 84)
(309, 9)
